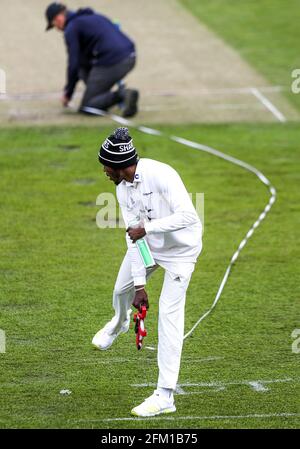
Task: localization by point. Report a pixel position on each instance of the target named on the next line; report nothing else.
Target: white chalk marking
(111, 360)
(159, 108)
(215, 386)
(179, 390)
(239, 106)
(65, 392)
(224, 90)
(227, 90)
(258, 386)
(268, 104)
(203, 359)
(199, 418)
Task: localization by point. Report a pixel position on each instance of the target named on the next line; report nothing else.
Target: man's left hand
(136, 234)
(65, 101)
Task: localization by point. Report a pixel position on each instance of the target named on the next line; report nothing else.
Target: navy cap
(52, 11)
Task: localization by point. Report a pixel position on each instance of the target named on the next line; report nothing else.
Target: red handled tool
(139, 329)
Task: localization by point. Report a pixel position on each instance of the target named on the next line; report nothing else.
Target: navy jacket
(92, 39)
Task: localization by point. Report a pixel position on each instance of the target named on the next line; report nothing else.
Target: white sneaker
(154, 405)
(104, 338)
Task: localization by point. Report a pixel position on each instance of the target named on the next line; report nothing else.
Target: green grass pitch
(57, 272)
(265, 33)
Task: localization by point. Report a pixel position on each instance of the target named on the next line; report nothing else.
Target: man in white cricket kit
(154, 194)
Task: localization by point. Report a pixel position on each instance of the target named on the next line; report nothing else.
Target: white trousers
(171, 313)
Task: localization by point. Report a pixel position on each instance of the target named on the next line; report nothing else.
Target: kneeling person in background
(99, 54)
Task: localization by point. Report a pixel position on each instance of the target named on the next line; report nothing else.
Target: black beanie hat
(117, 151)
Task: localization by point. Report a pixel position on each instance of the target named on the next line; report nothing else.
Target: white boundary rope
(261, 217)
(226, 157)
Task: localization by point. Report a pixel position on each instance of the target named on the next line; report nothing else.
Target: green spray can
(143, 246)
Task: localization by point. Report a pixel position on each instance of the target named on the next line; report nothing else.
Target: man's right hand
(140, 299)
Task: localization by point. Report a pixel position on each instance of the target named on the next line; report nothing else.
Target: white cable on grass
(255, 225)
(226, 157)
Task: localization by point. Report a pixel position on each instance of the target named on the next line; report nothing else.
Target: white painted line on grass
(216, 386)
(203, 359)
(179, 390)
(181, 418)
(199, 418)
(236, 106)
(258, 386)
(111, 360)
(197, 92)
(223, 90)
(268, 104)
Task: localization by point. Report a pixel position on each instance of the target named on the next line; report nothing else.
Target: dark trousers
(99, 82)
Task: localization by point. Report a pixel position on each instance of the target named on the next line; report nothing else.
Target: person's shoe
(156, 404)
(104, 338)
(130, 101)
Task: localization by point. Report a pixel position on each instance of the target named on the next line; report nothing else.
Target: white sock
(166, 393)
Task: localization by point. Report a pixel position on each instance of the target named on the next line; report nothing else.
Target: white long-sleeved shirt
(158, 197)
